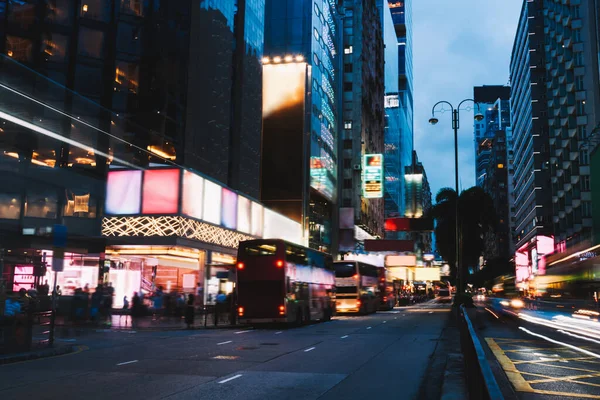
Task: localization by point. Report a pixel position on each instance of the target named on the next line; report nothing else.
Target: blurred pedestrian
(96, 303)
(189, 311)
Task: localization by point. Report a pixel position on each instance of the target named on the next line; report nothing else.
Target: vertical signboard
(372, 182)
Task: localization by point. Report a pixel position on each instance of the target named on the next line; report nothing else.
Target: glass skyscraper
(402, 141)
(304, 33)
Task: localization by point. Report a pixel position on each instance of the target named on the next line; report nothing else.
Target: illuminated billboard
(372, 182)
(123, 192)
(530, 258)
(283, 151)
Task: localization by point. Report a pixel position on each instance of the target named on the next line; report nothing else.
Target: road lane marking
(230, 379)
(344, 337)
(229, 341)
(511, 371)
(368, 327)
(307, 350)
(246, 331)
(430, 312)
(277, 333)
(128, 362)
(384, 322)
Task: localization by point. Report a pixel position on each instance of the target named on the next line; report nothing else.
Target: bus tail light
(357, 303)
(384, 298)
(279, 263)
(281, 310)
(240, 265)
(241, 311)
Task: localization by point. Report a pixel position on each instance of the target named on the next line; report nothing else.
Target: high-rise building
(573, 101)
(529, 122)
(418, 201)
(363, 111)
(401, 12)
(301, 105)
(493, 103)
(99, 94)
(394, 169)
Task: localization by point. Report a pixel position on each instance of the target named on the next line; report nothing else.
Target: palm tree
(476, 215)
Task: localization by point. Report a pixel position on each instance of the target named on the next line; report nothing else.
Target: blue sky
(457, 44)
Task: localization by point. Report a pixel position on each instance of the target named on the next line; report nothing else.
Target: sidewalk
(56, 350)
(125, 322)
(446, 373)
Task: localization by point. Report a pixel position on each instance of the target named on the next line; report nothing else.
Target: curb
(454, 386)
(51, 352)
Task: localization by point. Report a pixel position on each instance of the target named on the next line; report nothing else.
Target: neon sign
(372, 182)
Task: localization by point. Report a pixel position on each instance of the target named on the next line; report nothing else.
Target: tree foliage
(476, 215)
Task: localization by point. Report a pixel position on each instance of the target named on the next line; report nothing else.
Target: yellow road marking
(562, 378)
(565, 367)
(526, 349)
(511, 371)
(557, 359)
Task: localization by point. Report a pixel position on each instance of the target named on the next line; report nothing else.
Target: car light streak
(491, 312)
(579, 349)
(578, 337)
(559, 325)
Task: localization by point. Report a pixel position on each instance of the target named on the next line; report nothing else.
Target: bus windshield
(261, 249)
(345, 270)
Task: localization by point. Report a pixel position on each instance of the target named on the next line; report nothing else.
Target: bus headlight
(517, 303)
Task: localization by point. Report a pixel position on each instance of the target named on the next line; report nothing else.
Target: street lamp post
(455, 125)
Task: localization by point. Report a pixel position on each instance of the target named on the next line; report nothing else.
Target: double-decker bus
(387, 291)
(357, 288)
(281, 282)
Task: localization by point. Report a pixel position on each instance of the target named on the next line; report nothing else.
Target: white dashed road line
(344, 337)
(277, 333)
(229, 341)
(310, 349)
(246, 331)
(128, 362)
(230, 379)
(368, 327)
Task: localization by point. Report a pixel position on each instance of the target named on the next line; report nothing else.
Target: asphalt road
(540, 355)
(351, 357)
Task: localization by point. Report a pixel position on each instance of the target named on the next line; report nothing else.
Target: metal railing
(480, 378)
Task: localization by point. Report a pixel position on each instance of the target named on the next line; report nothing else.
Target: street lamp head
(433, 120)
(479, 117)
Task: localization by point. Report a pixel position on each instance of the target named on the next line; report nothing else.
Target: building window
(580, 107)
(584, 158)
(348, 124)
(316, 33)
(576, 36)
(347, 202)
(10, 206)
(347, 144)
(347, 86)
(586, 209)
(41, 204)
(575, 12)
(348, 68)
(579, 82)
(347, 49)
(585, 183)
(91, 42)
(347, 183)
(582, 132)
(19, 48)
(135, 7)
(347, 163)
(579, 59)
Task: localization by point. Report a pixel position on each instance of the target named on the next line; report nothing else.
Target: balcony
(576, 24)
(586, 196)
(576, 203)
(575, 178)
(564, 121)
(584, 169)
(570, 87)
(555, 200)
(573, 155)
(572, 132)
(553, 179)
(563, 100)
(561, 214)
(582, 120)
(567, 187)
(555, 219)
(580, 95)
(587, 222)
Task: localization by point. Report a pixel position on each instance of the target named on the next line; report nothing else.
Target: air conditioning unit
(357, 167)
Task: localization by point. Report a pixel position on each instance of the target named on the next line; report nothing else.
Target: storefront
(174, 229)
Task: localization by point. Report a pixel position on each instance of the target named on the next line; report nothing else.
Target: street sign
(59, 235)
(58, 259)
(372, 179)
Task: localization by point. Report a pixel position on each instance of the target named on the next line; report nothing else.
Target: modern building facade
(301, 108)
(418, 200)
(363, 110)
(493, 103)
(394, 168)
(95, 86)
(529, 122)
(573, 101)
(401, 12)
(496, 184)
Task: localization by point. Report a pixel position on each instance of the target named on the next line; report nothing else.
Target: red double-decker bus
(281, 282)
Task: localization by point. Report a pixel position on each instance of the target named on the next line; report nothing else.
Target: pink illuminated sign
(229, 209)
(161, 191)
(123, 189)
